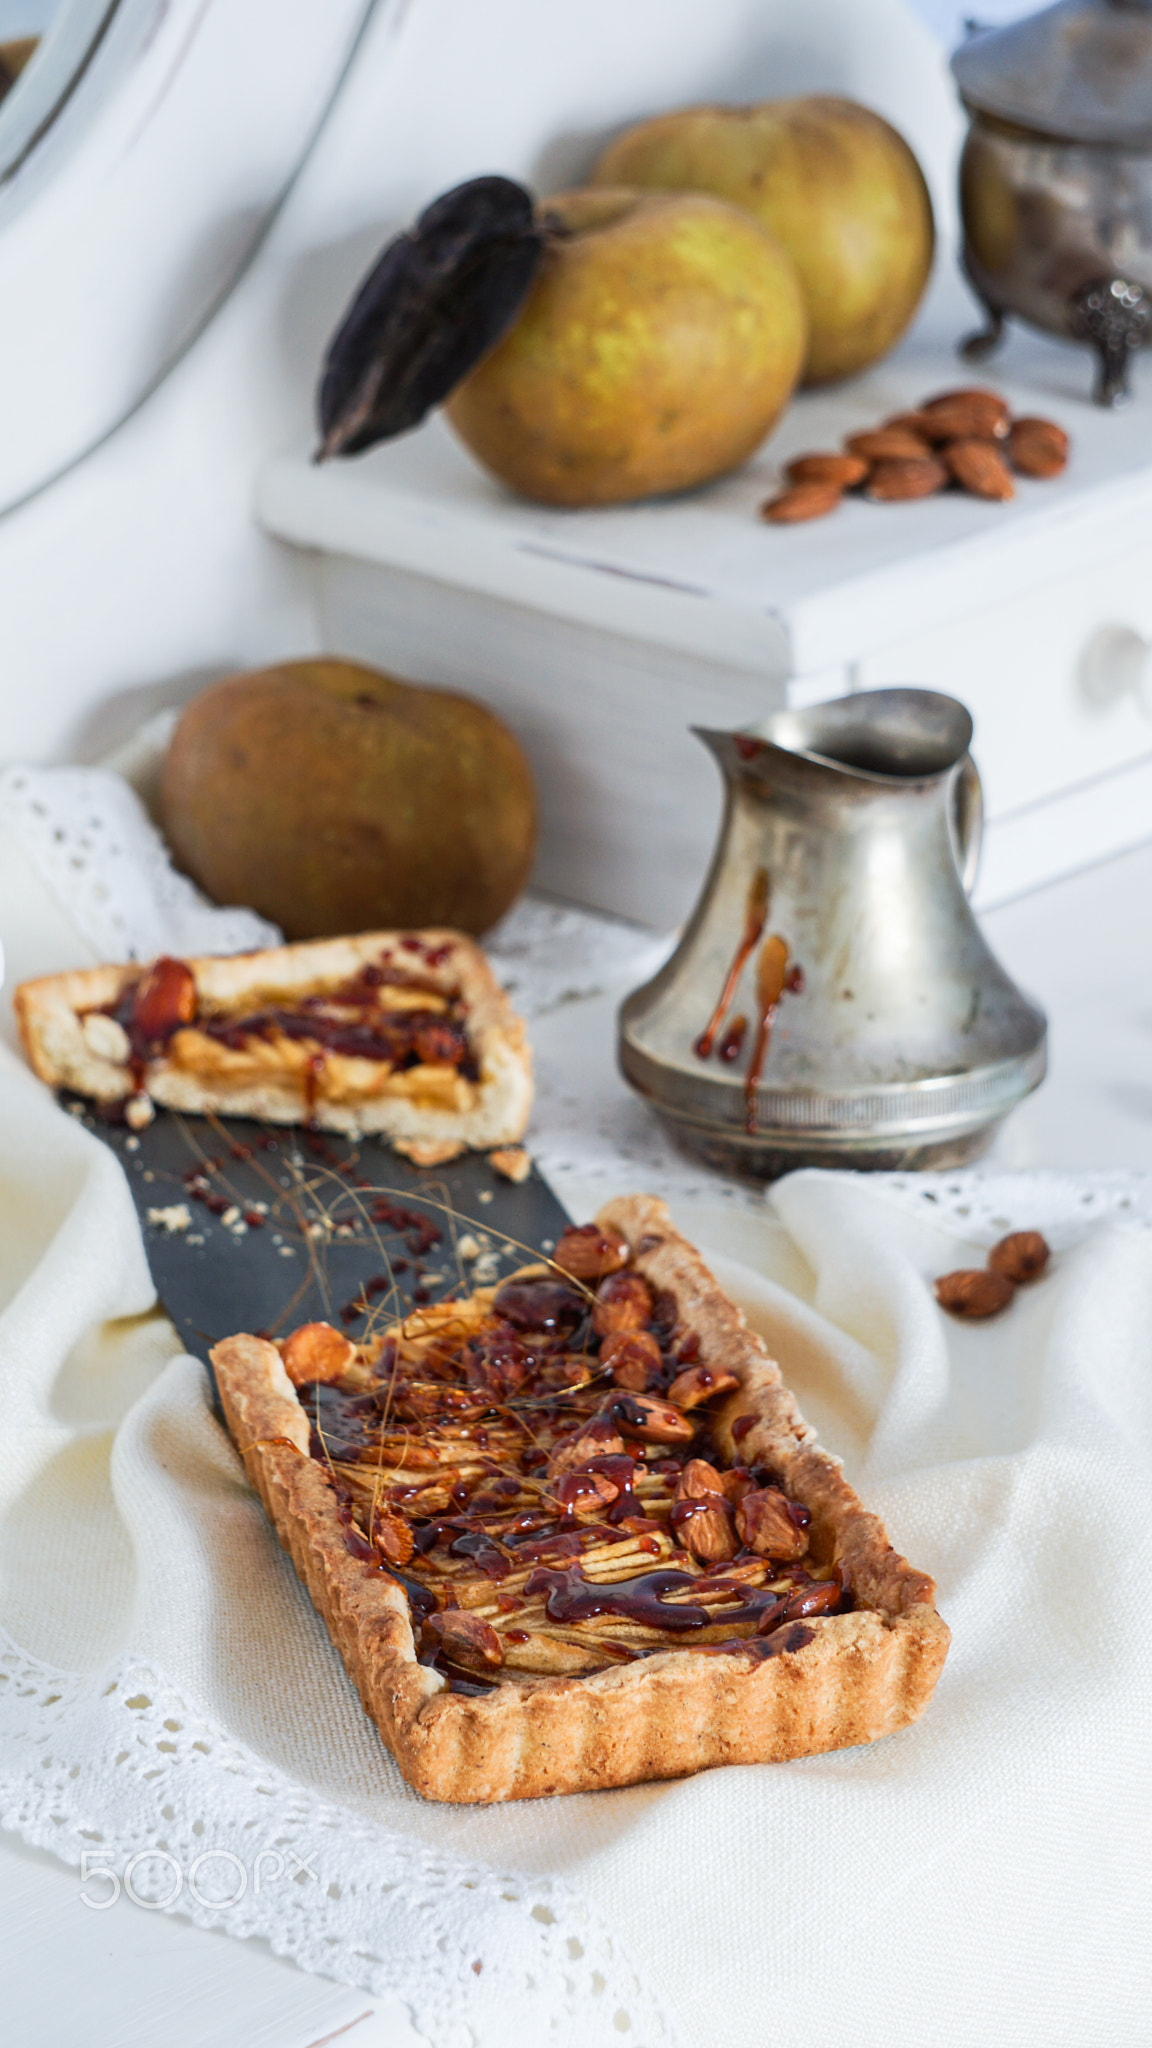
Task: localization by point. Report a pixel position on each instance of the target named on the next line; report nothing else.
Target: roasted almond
(588, 1253)
(957, 415)
(801, 501)
(511, 1162)
(598, 1439)
(698, 1478)
(888, 444)
(973, 1292)
(623, 1302)
(699, 1383)
(1037, 448)
(735, 1483)
(910, 422)
(392, 1536)
(164, 999)
(1020, 1257)
(822, 1598)
(767, 1527)
(896, 483)
(585, 1493)
(842, 470)
(705, 1528)
(651, 1422)
(466, 1639)
(632, 1357)
(980, 468)
(316, 1352)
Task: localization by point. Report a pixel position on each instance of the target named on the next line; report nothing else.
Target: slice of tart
(403, 1033)
(572, 1532)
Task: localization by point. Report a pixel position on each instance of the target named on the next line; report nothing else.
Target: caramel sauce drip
(755, 918)
(771, 979)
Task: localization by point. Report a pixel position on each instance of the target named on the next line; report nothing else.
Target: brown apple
(834, 183)
(661, 339)
(334, 798)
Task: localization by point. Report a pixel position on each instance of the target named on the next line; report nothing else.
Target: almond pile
(963, 439)
(978, 1291)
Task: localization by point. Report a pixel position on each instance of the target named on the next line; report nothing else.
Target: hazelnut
(1020, 1257)
(972, 1292)
(164, 998)
(316, 1352)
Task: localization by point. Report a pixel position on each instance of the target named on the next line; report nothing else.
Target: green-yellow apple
(834, 183)
(662, 337)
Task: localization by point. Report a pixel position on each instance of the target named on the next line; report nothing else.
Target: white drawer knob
(1115, 664)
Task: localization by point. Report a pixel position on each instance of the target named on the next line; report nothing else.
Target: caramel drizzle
(510, 1546)
(771, 981)
(755, 918)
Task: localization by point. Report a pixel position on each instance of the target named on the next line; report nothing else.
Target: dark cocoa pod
(437, 299)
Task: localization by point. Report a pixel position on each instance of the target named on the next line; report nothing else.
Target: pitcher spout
(892, 736)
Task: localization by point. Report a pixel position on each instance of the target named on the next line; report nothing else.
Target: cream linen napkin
(168, 1693)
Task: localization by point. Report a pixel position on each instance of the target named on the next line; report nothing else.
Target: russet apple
(333, 798)
(834, 183)
(662, 337)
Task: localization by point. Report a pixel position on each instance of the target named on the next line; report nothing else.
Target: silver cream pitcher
(832, 1001)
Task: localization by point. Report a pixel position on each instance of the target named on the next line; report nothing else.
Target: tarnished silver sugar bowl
(1056, 179)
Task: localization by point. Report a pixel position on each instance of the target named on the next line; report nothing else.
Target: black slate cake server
(259, 1228)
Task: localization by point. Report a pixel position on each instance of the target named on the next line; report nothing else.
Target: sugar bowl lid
(1081, 71)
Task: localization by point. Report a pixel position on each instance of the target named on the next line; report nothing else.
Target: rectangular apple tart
(572, 1532)
(403, 1033)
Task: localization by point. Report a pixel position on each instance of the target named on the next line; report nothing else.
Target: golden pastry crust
(269, 1079)
(825, 1683)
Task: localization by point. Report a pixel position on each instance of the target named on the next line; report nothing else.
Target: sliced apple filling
(366, 1036)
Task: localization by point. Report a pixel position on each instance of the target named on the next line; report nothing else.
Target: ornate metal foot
(981, 343)
(1114, 316)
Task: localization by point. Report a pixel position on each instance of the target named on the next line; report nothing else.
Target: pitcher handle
(967, 821)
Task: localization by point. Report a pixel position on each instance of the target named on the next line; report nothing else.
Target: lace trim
(93, 844)
(121, 1778)
(983, 1203)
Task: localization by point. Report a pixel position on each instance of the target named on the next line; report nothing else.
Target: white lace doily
(984, 1202)
(120, 1778)
(91, 841)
